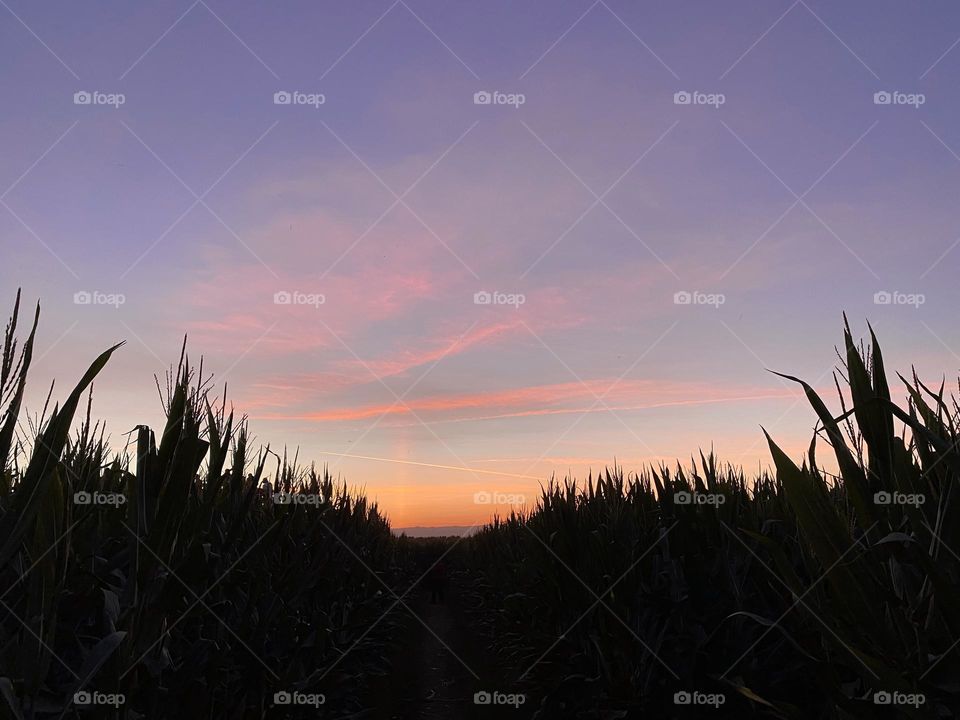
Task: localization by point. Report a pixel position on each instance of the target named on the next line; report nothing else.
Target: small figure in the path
(436, 581)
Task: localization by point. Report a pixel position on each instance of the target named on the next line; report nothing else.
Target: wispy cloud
(554, 399)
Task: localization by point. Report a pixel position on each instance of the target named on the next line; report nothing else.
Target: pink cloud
(293, 389)
(442, 347)
(558, 398)
(232, 306)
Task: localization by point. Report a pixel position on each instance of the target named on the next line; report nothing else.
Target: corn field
(793, 595)
(175, 582)
(191, 575)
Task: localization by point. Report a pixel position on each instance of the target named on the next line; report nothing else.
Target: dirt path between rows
(440, 666)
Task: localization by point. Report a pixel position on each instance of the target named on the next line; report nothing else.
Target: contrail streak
(433, 465)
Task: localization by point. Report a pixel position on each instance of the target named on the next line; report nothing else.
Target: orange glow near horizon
(434, 499)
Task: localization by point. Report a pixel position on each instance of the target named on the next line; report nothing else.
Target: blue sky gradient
(398, 198)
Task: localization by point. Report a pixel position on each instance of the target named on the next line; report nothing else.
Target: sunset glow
(441, 253)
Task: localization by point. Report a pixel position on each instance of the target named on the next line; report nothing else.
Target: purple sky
(786, 192)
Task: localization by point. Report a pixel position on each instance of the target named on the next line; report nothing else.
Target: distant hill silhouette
(444, 530)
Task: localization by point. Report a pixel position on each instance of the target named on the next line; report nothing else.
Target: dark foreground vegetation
(175, 583)
(192, 576)
(705, 593)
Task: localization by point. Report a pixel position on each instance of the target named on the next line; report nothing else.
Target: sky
(450, 250)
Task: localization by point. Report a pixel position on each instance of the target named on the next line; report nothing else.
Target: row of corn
(187, 576)
(700, 592)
